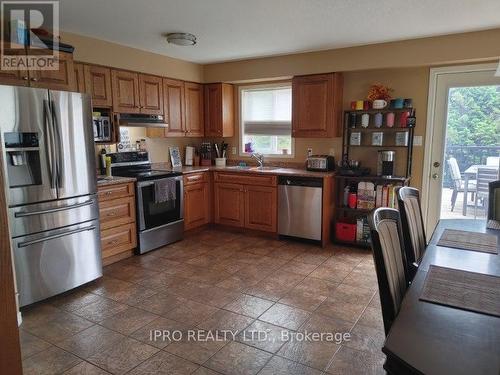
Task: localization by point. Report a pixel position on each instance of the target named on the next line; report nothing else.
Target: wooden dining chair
(390, 261)
(413, 227)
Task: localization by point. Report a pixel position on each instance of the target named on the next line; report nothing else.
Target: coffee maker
(386, 163)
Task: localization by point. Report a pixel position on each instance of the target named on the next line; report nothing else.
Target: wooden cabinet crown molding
(317, 105)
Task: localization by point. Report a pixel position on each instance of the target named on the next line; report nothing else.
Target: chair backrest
(455, 174)
(485, 175)
(390, 261)
(413, 225)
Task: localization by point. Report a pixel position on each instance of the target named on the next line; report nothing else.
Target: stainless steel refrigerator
(49, 164)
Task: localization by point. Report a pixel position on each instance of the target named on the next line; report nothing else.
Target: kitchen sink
(239, 167)
(264, 168)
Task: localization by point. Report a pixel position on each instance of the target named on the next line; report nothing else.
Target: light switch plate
(233, 150)
(309, 151)
(417, 140)
(331, 152)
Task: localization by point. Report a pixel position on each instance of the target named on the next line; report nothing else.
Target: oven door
(152, 214)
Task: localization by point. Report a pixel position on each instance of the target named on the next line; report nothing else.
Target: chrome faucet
(259, 157)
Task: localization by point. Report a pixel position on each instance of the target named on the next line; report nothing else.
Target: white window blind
(267, 111)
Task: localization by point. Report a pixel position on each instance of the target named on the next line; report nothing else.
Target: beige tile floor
(214, 280)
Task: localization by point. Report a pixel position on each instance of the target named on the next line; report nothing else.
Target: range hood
(141, 120)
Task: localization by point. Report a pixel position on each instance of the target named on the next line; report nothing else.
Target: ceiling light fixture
(181, 39)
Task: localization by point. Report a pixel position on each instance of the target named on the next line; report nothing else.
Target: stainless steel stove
(159, 223)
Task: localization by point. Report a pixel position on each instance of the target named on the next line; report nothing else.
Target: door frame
(429, 130)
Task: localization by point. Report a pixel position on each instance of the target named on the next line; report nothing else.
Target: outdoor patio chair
(458, 182)
(485, 175)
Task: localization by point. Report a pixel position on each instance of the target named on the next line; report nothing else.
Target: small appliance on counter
(386, 163)
(323, 163)
(102, 127)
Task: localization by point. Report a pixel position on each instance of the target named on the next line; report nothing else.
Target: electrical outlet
(331, 152)
(309, 151)
(417, 140)
(233, 150)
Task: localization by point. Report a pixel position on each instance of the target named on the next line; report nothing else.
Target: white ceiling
(240, 29)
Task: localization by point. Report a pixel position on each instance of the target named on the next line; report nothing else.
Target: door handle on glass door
(436, 164)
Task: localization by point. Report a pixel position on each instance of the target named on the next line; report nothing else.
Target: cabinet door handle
(25, 78)
(34, 79)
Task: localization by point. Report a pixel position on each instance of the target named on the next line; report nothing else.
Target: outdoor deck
(446, 212)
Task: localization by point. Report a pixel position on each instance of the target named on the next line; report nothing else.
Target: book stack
(386, 196)
(366, 195)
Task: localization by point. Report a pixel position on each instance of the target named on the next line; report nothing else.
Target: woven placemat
(462, 289)
(461, 239)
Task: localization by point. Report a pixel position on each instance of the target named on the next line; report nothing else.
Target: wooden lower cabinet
(229, 204)
(117, 240)
(196, 200)
(261, 208)
(247, 205)
(117, 221)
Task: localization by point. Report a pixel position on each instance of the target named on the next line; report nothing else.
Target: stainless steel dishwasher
(300, 207)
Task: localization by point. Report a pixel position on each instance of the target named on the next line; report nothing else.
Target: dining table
(469, 174)
(428, 338)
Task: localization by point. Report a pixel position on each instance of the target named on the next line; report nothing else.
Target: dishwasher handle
(301, 181)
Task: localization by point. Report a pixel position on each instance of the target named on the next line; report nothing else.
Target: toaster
(322, 163)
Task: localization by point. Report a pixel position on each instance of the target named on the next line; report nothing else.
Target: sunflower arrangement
(379, 91)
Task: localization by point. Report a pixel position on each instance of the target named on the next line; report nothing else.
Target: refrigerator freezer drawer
(53, 262)
(40, 217)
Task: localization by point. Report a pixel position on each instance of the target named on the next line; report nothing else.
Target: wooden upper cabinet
(173, 97)
(125, 88)
(98, 85)
(219, 110)
(79, 77)
(193, 99)
(14, 77)
(150, 94)
(61, 79)
(173, 110)
(317, 105)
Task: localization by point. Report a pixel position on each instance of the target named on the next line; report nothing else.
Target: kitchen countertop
(105, 181)
(279, 171)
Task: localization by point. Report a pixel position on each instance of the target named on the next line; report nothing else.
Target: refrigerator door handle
(49, 143)
(55, 209)
(59, 148)
(64, 234)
